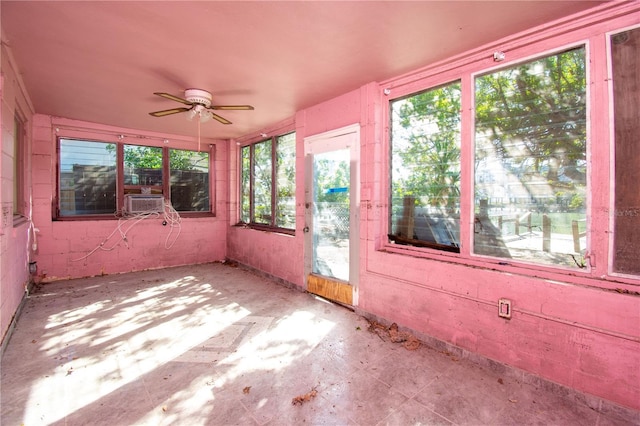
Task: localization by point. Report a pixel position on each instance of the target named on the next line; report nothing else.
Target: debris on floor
(246, 389)
(450, 355)
(301, 399)
(408, 340)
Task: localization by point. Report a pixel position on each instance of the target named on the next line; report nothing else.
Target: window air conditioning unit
(143, 203)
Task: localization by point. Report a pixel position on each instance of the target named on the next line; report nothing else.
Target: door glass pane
(331, 176)
(531, 161)
(625, 60)
(87, 177)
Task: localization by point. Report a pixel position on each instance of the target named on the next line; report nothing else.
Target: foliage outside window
(267, 182)
(285, 181)
(142, 169)
(262, 182)
(189, 180)
(425, 168)
(530, 161)
(625, 64)
(89, 174)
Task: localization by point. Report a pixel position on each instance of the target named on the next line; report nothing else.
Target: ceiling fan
(199, 102)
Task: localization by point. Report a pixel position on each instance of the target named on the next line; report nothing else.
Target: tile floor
(216, 345)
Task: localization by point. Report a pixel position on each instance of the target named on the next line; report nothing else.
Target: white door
(332, 210)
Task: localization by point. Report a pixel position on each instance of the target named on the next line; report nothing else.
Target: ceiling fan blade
(173, 98)
(168, 112)
(220, 119)
(231, 107)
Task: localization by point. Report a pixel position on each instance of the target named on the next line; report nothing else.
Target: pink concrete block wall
(574, 329)
(279, 255)
(64, 247)
(14, 236)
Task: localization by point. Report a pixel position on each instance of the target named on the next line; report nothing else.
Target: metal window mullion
(252, 172)
(119, 177)
(166, 174)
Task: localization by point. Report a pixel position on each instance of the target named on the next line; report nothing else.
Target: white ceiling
(102, 61)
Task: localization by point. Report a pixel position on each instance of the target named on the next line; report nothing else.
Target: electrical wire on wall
(173, 220)
(126, 223)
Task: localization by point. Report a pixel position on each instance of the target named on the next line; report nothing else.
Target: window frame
(466, 69)
(19, 168)
(271, 226)
(586, 267)
(611, 261)
(119, 141)
(440, 247)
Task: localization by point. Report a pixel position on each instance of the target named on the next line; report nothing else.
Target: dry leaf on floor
(246, 389)
(409, 341)
(301, 399)
(411, 344)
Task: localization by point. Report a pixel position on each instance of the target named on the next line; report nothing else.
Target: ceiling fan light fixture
(205, 116)
(191, 114)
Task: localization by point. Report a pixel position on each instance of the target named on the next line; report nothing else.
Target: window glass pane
(425, 169)
(189, 180)
(625, 51)
(286, 181)
(87, 177)
(245, 185)
(530, 161)
(142, 169)
(262, 182)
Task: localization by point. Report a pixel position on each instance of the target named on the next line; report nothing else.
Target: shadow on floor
(213, 344)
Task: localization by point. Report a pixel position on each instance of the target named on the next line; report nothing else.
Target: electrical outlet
(504, 308)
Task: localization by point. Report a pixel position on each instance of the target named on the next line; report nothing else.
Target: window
(425, 168)
(90, 172)
(18, 166)
(267, 182)
(189, 180)
(87, 178)
(530, 161)
(142, 169)
(625, 61)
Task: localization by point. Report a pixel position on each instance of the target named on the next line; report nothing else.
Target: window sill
(408, 242)
(265, 228)
(183, 215)
(586, 276)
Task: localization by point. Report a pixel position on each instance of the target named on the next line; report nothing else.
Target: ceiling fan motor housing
(198, 96)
